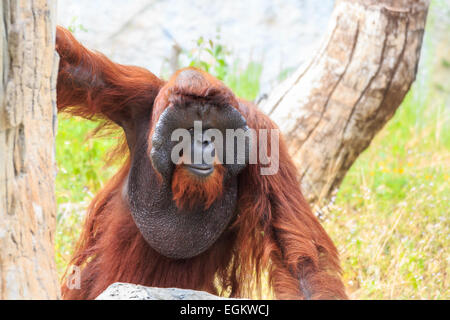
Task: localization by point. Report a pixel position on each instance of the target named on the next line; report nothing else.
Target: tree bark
(28, 68)
(330, 109)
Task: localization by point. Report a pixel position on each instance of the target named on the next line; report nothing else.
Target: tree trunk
(331, 108)
(28, 68)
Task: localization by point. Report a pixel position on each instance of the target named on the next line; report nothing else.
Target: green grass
(81, 173)
(390, 218)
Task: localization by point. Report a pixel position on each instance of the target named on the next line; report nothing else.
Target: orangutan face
(183, 183)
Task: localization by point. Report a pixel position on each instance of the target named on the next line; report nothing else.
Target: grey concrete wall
(279, 33)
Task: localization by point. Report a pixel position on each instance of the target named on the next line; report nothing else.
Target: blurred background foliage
(390, 218)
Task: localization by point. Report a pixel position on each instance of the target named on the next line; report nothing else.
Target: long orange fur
(190, 191)
(274, 233)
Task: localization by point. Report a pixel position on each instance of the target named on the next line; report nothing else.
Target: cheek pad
(225, 117)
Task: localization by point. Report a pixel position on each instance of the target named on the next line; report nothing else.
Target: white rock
(128, 291)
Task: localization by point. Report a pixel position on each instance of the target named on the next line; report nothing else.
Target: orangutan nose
(202, 157)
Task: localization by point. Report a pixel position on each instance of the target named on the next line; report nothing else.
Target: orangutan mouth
(201, 170)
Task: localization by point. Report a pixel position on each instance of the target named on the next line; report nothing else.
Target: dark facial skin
(172, 232)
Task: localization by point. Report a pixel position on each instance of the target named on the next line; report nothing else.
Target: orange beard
(190, 191)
